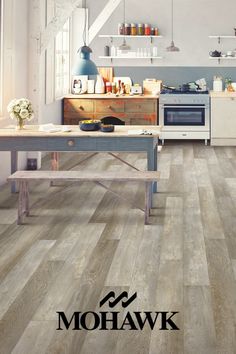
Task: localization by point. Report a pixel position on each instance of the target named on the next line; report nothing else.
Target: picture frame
(79, 84)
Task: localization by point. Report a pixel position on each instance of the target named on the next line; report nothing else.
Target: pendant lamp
(124, 45)
(172, 47)
(84, 65)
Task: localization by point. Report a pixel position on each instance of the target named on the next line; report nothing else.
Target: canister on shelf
(113, 51)
(154, 51)
(133, 29)
(156, 31)
(152, 31)
(121, 29)
(140, 29)
(127, 29)
(147, 30)
(106, 51)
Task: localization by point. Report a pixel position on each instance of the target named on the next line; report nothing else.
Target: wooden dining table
(130, 139)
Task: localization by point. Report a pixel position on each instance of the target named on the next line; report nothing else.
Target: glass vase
(20, 124)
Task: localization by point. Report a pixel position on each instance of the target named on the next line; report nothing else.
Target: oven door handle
(200, 106)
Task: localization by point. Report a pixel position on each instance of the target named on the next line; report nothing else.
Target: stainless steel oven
(184, 116)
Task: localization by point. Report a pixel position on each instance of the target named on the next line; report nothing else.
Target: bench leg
(150, 198)
(54, 164)
(23, 203)
(20, 204)
(148, 201)
(27, 199)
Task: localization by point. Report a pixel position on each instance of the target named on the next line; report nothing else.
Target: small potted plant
(21, 110)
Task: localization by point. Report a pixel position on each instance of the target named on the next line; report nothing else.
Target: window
(62, 61)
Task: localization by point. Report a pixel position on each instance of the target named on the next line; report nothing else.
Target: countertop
(222, 94)
(111, 96)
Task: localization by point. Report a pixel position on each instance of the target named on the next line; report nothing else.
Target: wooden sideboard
(134, 110)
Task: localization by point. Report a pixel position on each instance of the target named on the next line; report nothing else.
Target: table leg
(54, 163)
(14, 167)
(152, 164)
(26, 190)
(21, 203)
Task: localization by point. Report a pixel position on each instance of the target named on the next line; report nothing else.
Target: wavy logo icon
(116, 300)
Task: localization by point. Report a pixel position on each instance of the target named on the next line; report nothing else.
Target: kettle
(215, 54)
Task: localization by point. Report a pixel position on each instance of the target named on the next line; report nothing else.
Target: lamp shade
(84, 65)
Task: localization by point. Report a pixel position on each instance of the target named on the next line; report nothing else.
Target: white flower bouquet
(21, 110)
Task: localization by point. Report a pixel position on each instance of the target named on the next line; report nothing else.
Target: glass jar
(147, 30)
(218, 84)
(121, 29)
(127, 29)
(156, 31)
(108, 87)
(133, 29)
(140, 29)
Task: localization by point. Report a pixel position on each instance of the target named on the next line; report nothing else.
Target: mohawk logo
(117, 321)
(118, 299)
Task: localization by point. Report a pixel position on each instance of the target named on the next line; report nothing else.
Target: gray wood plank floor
(81, 242)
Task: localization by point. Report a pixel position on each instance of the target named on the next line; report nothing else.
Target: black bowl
(91, 126)
(107, 128)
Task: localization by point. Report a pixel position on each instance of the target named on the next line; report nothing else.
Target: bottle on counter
(152, 31)
(113, 87)
(99, 87)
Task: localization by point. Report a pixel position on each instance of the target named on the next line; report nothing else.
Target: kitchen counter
(111, 96)
(222, 94)
(223, 122)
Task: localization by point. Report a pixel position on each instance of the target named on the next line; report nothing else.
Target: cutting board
(106, 73)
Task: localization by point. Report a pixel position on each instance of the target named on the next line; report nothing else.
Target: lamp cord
(85, 22)
(124, 40)
(172, 25)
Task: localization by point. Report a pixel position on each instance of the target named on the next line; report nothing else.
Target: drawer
(141, 119)
(79, 106)
(109, 106)
(140, 105)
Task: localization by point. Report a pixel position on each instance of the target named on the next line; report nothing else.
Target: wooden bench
(24, 177)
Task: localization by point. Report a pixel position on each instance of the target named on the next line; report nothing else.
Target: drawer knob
(81, 108)
(71, 143)
(232, 98)
(109, 107)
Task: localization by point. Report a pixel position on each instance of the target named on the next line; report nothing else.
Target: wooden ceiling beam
(102, 19)
(64, 9)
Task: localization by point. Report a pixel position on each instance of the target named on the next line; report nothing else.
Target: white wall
(15, 62)
(194, 21)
